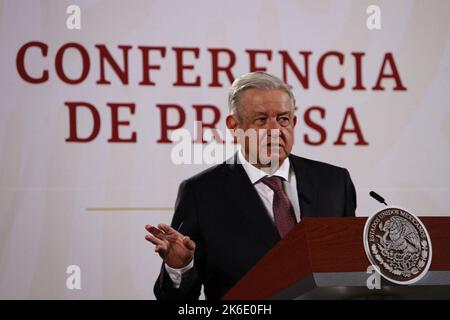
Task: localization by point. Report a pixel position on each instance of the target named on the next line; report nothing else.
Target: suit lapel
(243, 194)
(306, 189)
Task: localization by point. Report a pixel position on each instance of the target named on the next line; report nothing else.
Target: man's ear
(294, 120)
(232, 125)
(231, 122)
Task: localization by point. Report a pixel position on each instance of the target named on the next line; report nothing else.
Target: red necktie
(282, 209)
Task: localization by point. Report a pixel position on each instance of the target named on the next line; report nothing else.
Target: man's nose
(273, 127)
(272, 124)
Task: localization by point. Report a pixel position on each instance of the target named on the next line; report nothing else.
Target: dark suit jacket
(222, 212)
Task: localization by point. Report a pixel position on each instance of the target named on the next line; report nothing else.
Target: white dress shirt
(285, 171)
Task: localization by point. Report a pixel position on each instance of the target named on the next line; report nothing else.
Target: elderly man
(229, 216)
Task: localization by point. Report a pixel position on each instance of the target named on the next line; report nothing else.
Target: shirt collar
(256, 174)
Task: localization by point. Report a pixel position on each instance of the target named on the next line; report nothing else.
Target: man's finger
(167, 229)
(154, 240)
(190, 244)
(155, 231)
(162, 247)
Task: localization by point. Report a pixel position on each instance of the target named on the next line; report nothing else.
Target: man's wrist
(175, 274)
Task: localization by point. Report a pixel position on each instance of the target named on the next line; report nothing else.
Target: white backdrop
(48, 185)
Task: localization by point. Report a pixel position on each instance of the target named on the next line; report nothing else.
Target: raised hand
(173, 247)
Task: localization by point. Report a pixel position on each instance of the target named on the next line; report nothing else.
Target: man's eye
(284, 121)
(260, 120)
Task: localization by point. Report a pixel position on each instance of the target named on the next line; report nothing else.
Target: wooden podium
(324, 258)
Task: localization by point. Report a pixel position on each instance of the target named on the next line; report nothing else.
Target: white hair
(255, 80)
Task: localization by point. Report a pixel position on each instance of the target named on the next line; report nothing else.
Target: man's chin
(274, 158)
(277, 154)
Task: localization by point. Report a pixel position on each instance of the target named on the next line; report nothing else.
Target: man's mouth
(274, 145)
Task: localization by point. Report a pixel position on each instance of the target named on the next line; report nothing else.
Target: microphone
(377, 197)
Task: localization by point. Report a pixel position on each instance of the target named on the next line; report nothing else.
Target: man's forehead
(266, 100)
(270, 111)
(269, 107)
(256, 94)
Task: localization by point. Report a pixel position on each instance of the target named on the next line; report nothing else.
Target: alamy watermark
(373, 21)
(73, 21)
(374, 279)
(260, 146)
(73, 281)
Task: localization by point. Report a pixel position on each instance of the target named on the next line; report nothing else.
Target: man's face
(270, 114)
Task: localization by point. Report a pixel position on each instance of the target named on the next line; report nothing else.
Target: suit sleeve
(185, 220)
(350, 195)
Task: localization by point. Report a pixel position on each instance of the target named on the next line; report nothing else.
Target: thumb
(189, 243)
